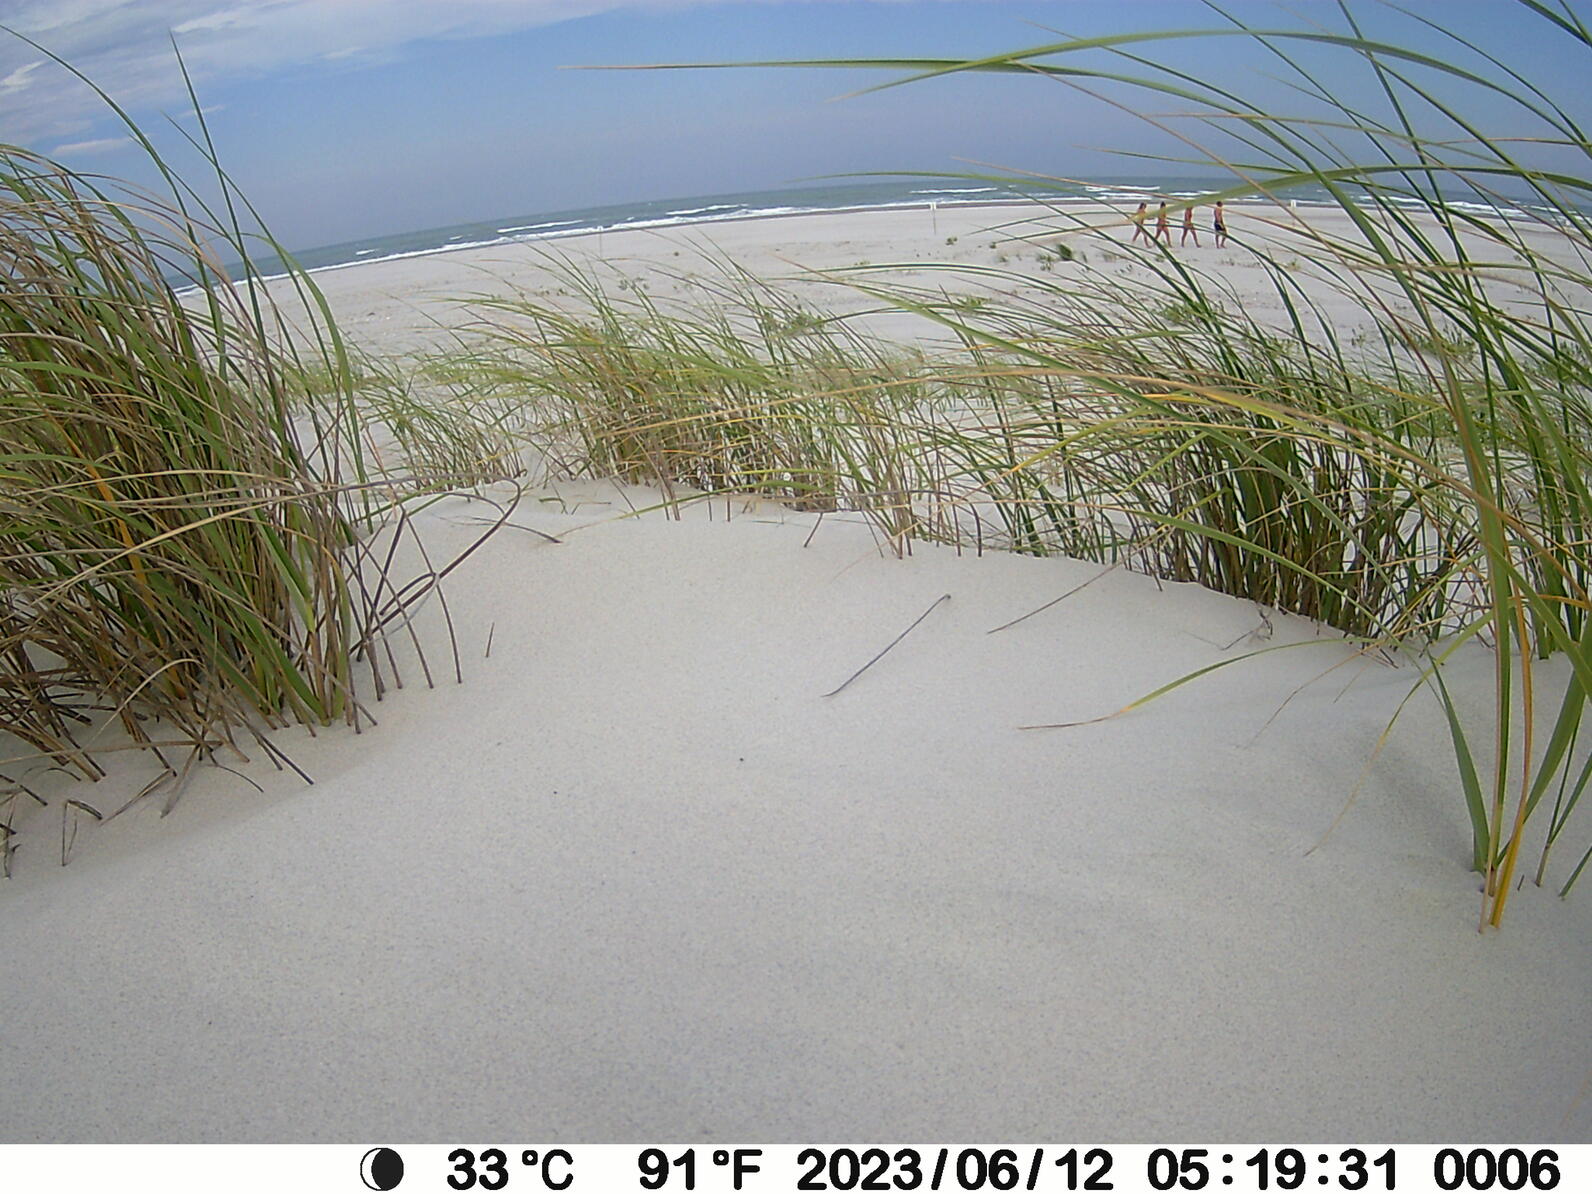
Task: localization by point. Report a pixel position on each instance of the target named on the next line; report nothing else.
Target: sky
(346, 119)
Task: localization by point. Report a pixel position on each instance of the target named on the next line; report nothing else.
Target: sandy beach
(407, 304)
(639, 878)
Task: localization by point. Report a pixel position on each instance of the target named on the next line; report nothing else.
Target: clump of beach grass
(1486, 332)
(169, 554)
(186, 510)
(427, 427)
(742, 390)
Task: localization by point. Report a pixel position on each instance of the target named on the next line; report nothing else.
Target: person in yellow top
(1163, 230)
(1138, 223)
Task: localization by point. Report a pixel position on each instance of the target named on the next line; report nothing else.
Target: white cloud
(44, 17)
(19, 78)
(226, 18)
(79, 148)
(125, 46)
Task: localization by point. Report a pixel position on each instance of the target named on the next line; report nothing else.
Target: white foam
(534, 227)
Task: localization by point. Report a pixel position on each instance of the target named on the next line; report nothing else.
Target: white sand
(637, 879)
(399, 305)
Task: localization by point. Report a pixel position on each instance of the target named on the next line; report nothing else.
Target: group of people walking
(1163, 226)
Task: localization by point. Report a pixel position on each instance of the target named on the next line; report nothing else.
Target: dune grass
(1418, 488)
(185, 499)
(1508, 394)
(743, 390)
(1069, 420)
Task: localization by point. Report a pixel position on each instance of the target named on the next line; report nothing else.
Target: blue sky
(350, 118)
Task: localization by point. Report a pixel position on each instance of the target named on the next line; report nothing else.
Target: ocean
(915, 191)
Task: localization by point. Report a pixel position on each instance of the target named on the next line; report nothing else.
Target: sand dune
(638, 878)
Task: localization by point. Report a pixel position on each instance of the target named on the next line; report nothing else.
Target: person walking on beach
(1188, 227)
(1163, 230)
(1220, 226)
(1138, 224)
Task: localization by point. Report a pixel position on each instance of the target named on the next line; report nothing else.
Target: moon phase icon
(382, 1169)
